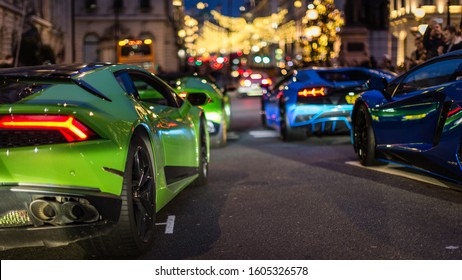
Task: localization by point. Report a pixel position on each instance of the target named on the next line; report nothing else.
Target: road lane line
(393, 170)
(170, 224)
(264, 133)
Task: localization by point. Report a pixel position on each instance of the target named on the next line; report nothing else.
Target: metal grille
(24, 138)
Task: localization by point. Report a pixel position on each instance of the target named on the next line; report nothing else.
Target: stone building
(100, 24)
(32, 32)
(67, 31)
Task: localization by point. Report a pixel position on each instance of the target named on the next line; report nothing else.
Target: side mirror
(379, 84)
(197, 98)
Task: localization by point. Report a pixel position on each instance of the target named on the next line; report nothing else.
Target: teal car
(217, 111)
(90, 154)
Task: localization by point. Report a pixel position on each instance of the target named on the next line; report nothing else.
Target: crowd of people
(435, 41)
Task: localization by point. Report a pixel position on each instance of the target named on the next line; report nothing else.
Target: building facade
(365, 34)
(100, 24)
(67, 31)
(33, 32)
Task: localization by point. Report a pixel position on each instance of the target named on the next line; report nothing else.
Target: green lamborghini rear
(86, 155)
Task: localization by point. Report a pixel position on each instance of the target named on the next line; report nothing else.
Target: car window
(147, 88)
(344, 76)
(283, 82)
(434, 74)
(148, 93)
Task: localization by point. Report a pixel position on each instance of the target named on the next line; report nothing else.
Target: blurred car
(250, 84)
(91, 152)
(314, 100)
(217, 111)
(415, 119)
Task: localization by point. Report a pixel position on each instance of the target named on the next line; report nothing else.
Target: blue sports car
(315, 100)
(415, 119)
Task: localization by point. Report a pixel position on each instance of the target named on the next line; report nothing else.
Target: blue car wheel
(289, 133)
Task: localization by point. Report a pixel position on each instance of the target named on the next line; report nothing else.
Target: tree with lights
(322, 23)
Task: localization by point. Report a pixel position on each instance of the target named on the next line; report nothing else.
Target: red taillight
(246, 83)
(70, 128)
(312, 92)
(454, 111)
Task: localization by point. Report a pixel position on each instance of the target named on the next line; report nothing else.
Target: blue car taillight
(312, 92)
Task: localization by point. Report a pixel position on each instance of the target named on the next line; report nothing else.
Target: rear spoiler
(55, 80)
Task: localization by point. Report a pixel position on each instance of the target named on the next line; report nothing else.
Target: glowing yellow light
(181, 33)
(414, 117)
(200, 6)
(312, 14)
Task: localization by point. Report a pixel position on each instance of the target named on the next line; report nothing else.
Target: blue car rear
(315, 100)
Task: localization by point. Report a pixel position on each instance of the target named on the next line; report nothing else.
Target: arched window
(91, 48)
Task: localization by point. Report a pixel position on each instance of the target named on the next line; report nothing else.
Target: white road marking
(264, 133)
(169, 224)
(396, 169)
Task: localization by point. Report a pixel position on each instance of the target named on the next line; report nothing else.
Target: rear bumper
(39, 215)
(323, 118)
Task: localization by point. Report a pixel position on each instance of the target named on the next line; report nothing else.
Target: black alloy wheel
(364, 138)
(134, 232)
(203, 168)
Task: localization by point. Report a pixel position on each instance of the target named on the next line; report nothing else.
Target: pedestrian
(418, 56)
(387, 64)
(433, 40)
(452, 39)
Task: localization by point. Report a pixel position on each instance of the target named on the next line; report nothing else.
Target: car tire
(203, 168)
(287, 132)
(364, 137)
(134, 232)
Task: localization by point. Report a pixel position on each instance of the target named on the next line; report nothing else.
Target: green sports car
(217, 111)
(94, 151)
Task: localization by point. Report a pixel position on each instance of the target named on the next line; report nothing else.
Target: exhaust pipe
(79, 212)
(55, 213)
(45, 211)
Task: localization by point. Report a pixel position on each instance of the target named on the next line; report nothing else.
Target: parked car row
(107, 146)
(414, 119)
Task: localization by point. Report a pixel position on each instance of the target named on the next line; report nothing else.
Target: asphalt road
(267, 199)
